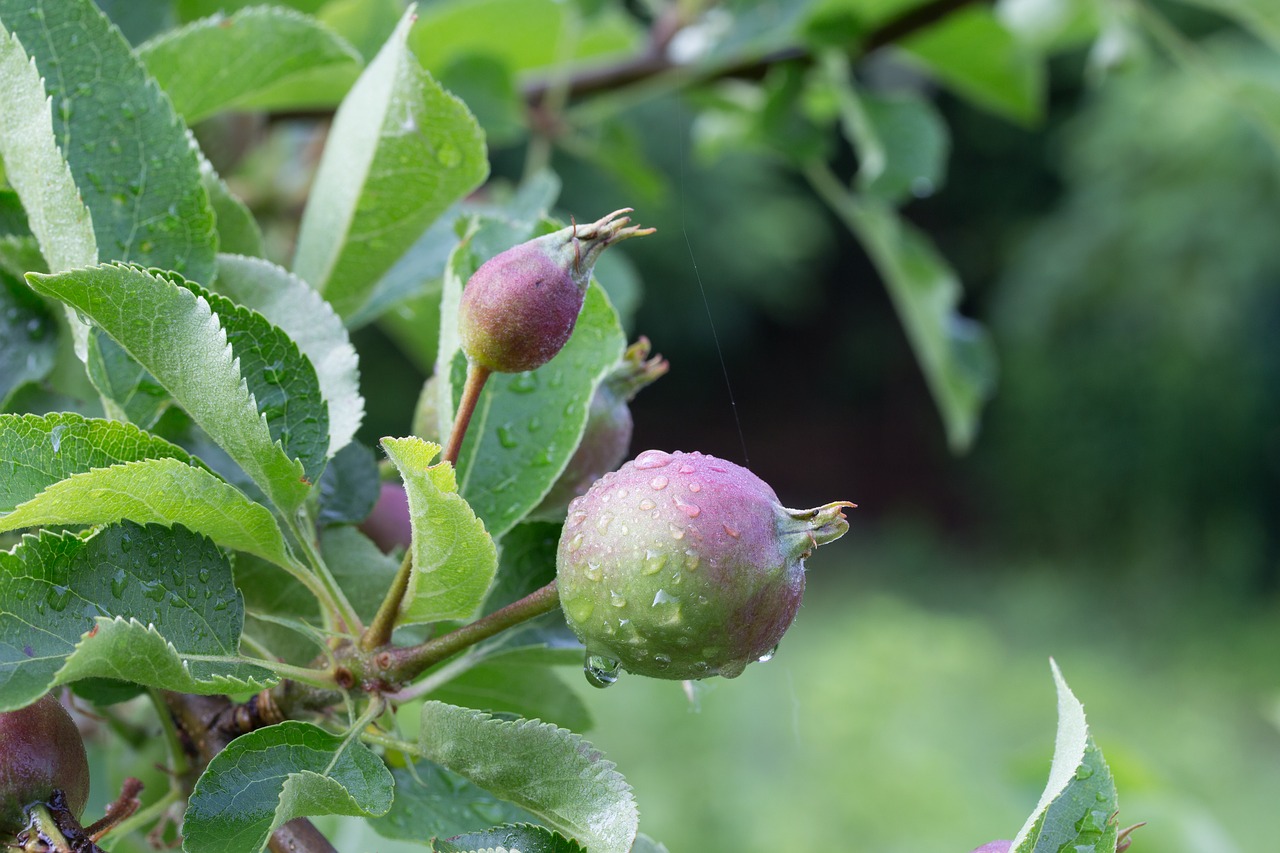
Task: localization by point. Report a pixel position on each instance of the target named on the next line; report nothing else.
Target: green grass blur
(911, 709)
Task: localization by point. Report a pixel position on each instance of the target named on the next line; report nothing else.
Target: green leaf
(551, 772)
(401, 151)
(283, 616)
(350, 486)
(955, 353)
(280, 378)
(28, 337)
(270, 776)
(36, 451)
(366, 24)
(1077, 809)
(902, 144)
(522, 837)
(105, 604)
(432, 802)
(288, 302)
(454, 559)
(192, 360)
(129, 153)
(523, 34)
(221, 62)
(520, 682)
(973, 53)
(238, 231)
(35, 166)
(364, 573)
(527, 425)
(156, 491)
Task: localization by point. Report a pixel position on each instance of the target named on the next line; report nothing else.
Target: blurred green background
(1120, 509)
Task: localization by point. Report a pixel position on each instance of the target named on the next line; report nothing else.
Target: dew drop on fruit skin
(601, 670)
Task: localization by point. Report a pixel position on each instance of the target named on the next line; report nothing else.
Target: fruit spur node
(682, 565)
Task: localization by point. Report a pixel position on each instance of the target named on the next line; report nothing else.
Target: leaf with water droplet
(104, 612)
(274, 774)
(1077, 808)
(381, 181)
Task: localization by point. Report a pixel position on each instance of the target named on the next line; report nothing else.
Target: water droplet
(580, 609)
(686, 468)
(535, 423)
(154, 591)
(593, 572)
(55, 437)
(732, 669)
(658, 483)
(448, 155)
(576, 542)
(524, 383)
(727, 529)
(691, 560)
(622, 493)
(600, 670)
(507, 437)
(153, 560)
(577, 517)
(695, 487)
(664, 597)
(768, 656)
(1084, 771)
(126, 544)
(119, 583)
(691, 510)
(653, 562)
(661, 661)
(677, 532)
(59, 597)
(203, 574)
(652, 459)
(646, 505)
(602, 524)
(617, 600)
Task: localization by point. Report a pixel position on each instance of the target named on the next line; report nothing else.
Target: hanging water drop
(600, 670)
(768, 656)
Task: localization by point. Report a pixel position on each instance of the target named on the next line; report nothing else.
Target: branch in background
(655, 60)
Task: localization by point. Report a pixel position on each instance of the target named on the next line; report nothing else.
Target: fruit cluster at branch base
(682, 565)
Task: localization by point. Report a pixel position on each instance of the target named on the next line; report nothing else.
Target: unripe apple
(41, 751)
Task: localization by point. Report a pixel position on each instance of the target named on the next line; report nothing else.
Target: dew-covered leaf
(28, 336)
(552, 773)
(129, 153)
(432, 802)
(645, 844)
(155, 491)
(523, 837)
(281, 379)
(401, 151)
(191, 359)
(275, 774)
(269, 44)
(68, 601)
(526, 425)
(1078, 807)
(454, 559)
(37, 451)
(288, 302)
